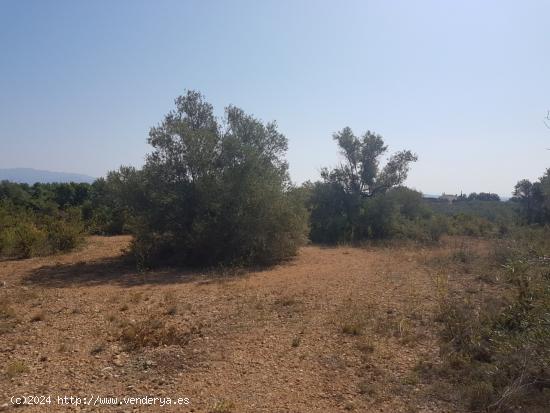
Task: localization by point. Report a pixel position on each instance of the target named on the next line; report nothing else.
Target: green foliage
(64, 232)
(103, 211)
(40, 219)
(534, 199)
(360, 200)
(25, 233)
(209, 194)
(340, 217)
(22, 239)
(475, 217)
(100, 209)
(482, 196)
(331, 208)
(41, 197)
(360, 174)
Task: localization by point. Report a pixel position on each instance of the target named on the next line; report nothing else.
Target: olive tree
(350, 202)
(213, 191)
(361, 173)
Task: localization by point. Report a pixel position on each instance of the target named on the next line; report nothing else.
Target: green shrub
(100, 210)
(437, 226)
(23, 240)
(339, 217)
(64, 234)
(25, 233)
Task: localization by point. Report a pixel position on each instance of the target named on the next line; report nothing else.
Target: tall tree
(350, 203)
(361, 173)
(534, 199)
(213, 191)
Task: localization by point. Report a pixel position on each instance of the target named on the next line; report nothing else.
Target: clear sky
(464, 84)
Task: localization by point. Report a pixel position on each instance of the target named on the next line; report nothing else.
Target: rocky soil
(335, 329)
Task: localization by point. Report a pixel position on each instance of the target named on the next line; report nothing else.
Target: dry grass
(354, 317)
(63, 348)
(286, 301)
(8, 318)
(367, 388)
(15, 368)
(170, 303)
(136, 297)
(6, 312)
(223, 406)
(366, 346)
(153, 332)
(335, 329)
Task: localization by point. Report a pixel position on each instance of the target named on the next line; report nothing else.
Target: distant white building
(448, 197)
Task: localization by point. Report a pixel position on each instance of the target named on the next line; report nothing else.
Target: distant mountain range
(31, 176)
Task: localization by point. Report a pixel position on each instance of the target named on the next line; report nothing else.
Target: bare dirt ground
(335, 329)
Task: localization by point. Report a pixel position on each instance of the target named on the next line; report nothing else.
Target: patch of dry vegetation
(360, 332)
(223, 406)
(6, 312)
(354, 317)
(15, 368)
(496, 347)
(154, 332)
(8, 317)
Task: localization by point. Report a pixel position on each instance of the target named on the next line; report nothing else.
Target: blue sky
(464, 84)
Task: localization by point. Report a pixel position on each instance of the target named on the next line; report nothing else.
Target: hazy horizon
(82, 176)
(464, 85)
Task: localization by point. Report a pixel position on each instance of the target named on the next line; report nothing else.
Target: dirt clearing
(335, 329)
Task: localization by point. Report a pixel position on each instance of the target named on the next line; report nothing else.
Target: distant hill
(30, 176)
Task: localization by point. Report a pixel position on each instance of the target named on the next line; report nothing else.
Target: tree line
(217, 191)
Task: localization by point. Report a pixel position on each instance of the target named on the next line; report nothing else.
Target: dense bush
(209, 194)
(100, 209)
(41, 219)
(338, 217)
(25, 233)
(103, 212)
(472, 225)
(477, 218)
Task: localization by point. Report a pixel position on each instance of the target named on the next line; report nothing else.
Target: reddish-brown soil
(335, 329)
